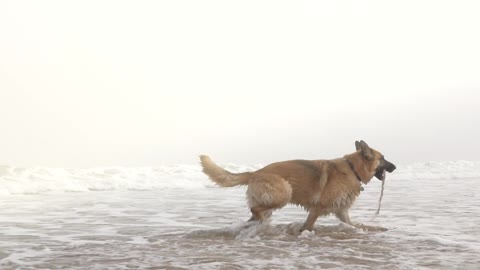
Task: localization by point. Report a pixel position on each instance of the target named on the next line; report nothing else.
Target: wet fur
(320, 186)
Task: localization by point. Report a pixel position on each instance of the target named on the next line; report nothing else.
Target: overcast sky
(145, 83)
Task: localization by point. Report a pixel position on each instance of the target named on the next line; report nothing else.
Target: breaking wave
(34, 180)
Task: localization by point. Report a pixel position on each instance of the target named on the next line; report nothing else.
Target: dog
(321, 187)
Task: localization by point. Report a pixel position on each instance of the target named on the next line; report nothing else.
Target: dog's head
(377, 164)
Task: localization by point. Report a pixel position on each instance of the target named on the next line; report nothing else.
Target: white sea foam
(15, 180)
(36, 180)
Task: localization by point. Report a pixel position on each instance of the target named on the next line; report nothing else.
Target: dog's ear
(357, 145)
(364, 149)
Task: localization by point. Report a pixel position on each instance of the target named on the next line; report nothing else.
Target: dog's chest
(334, 200)
(344, 200)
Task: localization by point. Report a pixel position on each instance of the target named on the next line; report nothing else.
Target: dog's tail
(221, 176)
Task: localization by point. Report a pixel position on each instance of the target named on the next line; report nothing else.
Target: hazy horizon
(118, 83)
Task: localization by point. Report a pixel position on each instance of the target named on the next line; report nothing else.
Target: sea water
(173, 217)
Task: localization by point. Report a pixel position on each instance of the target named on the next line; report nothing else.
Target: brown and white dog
(320, 186)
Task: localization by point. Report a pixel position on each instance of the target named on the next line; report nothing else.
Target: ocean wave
(461, 169)
(34, 180)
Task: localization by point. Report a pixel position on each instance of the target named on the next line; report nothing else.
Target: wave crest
(34, 180)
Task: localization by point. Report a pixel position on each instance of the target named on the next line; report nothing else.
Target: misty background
(145, 83)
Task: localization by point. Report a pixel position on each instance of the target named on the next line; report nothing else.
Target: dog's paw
(307, 234)
(294, 228)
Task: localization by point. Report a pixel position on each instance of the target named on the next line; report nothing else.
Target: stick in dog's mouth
(384, 176)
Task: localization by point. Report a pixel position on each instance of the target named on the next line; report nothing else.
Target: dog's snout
(391, 167)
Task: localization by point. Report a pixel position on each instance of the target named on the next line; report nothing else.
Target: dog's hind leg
(267, 214)
(258, 213)
(265, 193)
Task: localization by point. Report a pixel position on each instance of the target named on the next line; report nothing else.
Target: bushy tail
(222, 177)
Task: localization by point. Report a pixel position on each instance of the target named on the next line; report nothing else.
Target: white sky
(143, 83)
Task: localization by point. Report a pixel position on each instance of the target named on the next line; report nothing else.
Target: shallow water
(431, 224)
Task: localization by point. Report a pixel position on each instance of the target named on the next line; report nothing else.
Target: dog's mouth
(382, 170)
(381, 174)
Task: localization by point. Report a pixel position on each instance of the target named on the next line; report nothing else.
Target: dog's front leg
(345, 217)
(312, 217)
